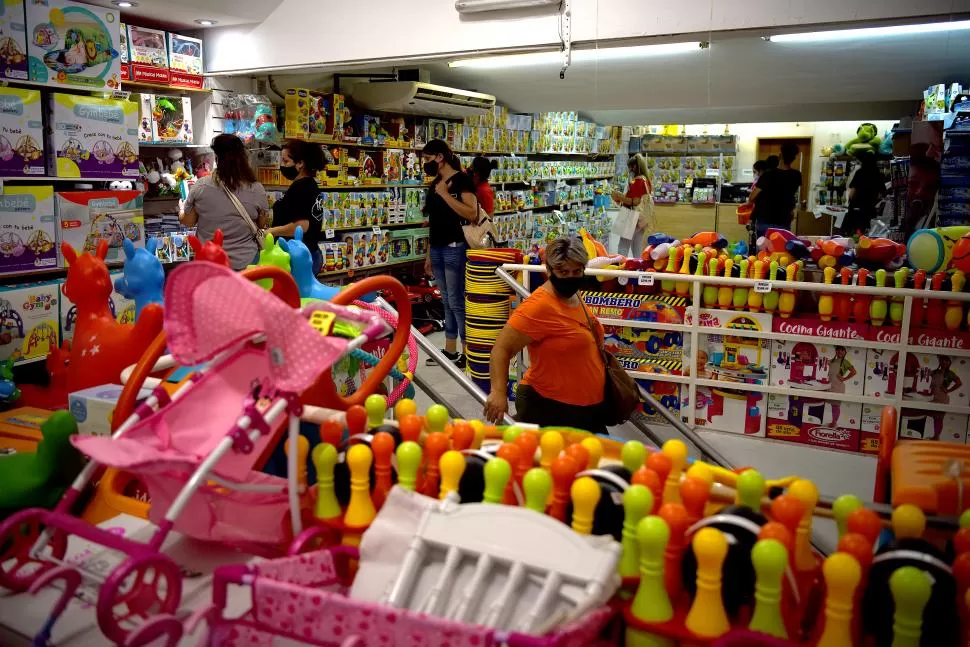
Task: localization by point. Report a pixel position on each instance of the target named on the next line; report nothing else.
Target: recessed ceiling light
(124, 4)
(206, 22)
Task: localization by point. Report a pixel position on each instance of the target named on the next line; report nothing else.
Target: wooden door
(772, 146)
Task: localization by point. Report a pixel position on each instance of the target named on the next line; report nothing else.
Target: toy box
(185, 60)
(401, 246)
(149, 55)
(732, 358)
(933, 425)
(813, 421)
(646, 351)
(146, 120)
(86, 217)
(123, 53)
(123, 309)
(817, 367)
(13, 42)
(938, 379)
(20, 428)
(73, 44)
(739, 412)
(667, 393)
(171, 119)
(91, 137)
(633, 307)
(28, 229)
(21, 133)
(92, 407)
(28, 321)
(437, 129)
(422, 244)
(314, 116)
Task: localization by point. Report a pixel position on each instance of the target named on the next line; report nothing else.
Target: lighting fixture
(205, 22)
(480, 6)
(871, 32)
(579, 56)
(124, 4)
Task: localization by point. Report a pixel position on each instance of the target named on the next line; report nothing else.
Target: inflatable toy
(832, 252)
(54, 394)
(144, 278)
(301, 267)
(38, 479)
(932, 249)
(879, 252)
(707, 239)
(211, 251)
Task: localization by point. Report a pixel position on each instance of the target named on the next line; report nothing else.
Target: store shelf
(550, 179)
(170, 145)
(352, 144)
(558, 205)
(783, 390)
(167, 88)
(357, 270)
(659, 377)
(360, 187)
(420, 223)
(45, 178)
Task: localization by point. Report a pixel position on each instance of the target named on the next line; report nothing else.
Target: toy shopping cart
(195, 450)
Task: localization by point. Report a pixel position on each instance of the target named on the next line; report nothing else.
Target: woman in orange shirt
(564, 385)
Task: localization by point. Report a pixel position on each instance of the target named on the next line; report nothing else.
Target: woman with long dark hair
(481, 170)
(451, 203)
(212, 203)
(299, 162)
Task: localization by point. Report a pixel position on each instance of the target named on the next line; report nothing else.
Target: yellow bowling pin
(842, 575)
(452, 466)
(585, 493)
(707, 617)
(826, 302)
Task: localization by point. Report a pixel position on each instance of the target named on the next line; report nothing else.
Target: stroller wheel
(138, 589)
(17, 535)
(166, 626)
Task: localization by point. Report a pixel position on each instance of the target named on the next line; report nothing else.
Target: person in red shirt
(480, 171)
(639, 190)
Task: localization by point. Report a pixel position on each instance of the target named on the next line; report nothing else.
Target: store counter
(682, 220)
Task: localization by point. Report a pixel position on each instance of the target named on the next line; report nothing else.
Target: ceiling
(183, 13)
(738, 79)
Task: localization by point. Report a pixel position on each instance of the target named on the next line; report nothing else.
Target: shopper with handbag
(571, 380)
(636, 219)
(450, 204)
(299, 162)
(229, 199)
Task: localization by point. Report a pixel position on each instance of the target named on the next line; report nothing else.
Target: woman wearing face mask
(451, 203)
(566, 377)
(299, 163)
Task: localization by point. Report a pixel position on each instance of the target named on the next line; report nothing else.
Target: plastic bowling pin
(633, 455)
(953, 316)
(701, 266)
(661, 465)
(788, 511)
(332, 432)
(707, 617)
(725, 294)
(911, 589)
(648, 478)
(709, 295)
(859, 547)
(551, 444)
(917, 316)
(404, 407)
(740, 296)
(595, 448)
(769, 559)
(324, 457)
(756, 299)
(842, 507)
(843, 300)
(497, 472)
(435, 445)
(908, 522)
(683, 287)
(935, 308)
(376, 406)
(896, 305)
(410, 427)
(408, 464)
(702, 472)
(678, 522)
(383, 447)
(667, 287)
(961, 541)
(537, 486)
(877, 307)
(356, 419)
(772, 297)
(479, 428)
(826, 302)
(579, 454)
(806, 492)
(451, 466)
(778, 532)
(437, 417)
(462, 435)
(360, 510)
(637, 503)
(860, 302)
(652, 604)
(842, 575)
(750, 489)
(528, 442)
(694, 494)
(676, 451)
(564, 470)
(786, 302)
(964, 520)
(511, 433)
(865, 522)
(585, 493)
(511, 453)
(302, 451)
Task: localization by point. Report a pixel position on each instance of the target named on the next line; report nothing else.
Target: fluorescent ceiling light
(871, 32)
(579, 56)
(124, 4)
(205, 22)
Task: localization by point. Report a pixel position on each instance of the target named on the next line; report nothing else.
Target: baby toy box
(92, 407)
(185, 61)
(149, 55)
(123, 309)
(170, 119)
(813, 421)
(73, 44)
(123, 52)
(13, 44)
(817, 367)
(91, 137)
(28, 321)
(85, 217)
(28, 229)
(21, 132)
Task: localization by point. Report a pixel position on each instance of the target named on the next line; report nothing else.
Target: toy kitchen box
(70, 43)
(86, 217)
(28, 321)
(92, 138)
(28, 229)
(818, 366)
(814, 421)
(726, 357)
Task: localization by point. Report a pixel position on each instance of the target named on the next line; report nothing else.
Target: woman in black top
(451, 203)
(299, 162)
(867, 187)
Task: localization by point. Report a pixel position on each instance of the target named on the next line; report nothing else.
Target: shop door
(772, 146)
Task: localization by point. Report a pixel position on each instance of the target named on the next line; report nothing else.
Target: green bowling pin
(911, 590)
(965, 519)
(376, 406)
(324, 457)
(750, 489)
(437, 417)
(408, 462)
(637, 502)
(769, 559)
(511, 433)
(633, 455)
(651, 604)
(772, 297)
(740, 298)
(497, 475)
(710, 291)
(537, 484)
(842, 508)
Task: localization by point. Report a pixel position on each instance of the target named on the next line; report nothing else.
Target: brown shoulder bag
(621, 395)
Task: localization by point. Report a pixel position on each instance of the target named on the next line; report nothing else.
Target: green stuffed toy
(866, 139)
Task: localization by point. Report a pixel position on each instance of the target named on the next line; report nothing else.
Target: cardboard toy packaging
(149, 55)
(92, 137)
(92, 407)
(28, 321)
(939, 379)
(171, 119)
(21, 133)
(667, 393)
(20, 428)
(74, 44)
(185, 61)
(85, 217)
(13, 47)
(734, 411)
(646, 351)
(922, 424)
(731, 358)
(814, 421)
(123, 52)
(818, 367)
(28, 229)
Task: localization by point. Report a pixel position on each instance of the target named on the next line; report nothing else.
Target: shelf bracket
(566, 33)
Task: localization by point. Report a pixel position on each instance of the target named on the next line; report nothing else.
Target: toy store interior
(341, 217)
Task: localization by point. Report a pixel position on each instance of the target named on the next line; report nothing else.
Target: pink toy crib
(303, 598)
(195, 450)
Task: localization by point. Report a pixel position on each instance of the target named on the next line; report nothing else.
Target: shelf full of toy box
(353, 271)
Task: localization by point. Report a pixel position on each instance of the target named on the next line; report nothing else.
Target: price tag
(329, 233)
(376, 230)
(762, 287)
(121, 95)
(645, 279)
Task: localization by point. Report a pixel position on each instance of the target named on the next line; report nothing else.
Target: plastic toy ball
(144, 278)
(301, 267)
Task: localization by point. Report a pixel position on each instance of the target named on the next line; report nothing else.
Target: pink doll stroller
(195, 449)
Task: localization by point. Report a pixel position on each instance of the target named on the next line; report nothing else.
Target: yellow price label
(323, 321)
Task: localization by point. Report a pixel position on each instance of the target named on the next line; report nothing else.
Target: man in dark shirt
(775, 196)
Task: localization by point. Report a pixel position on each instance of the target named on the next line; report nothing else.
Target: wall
(308, 33)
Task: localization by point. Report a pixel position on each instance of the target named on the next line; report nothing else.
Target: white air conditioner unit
(481, 6)
(410, 97)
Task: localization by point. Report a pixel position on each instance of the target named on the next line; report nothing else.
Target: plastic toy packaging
(251, 118)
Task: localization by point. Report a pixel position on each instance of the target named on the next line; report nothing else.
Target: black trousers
(537, 410)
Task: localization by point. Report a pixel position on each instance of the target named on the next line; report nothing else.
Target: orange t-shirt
(564, 361)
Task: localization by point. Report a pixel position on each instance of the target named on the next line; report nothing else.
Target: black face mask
(566, 286)
(289, 172)
(431, 168)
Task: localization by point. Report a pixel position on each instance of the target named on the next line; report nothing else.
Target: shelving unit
(45, 178)
(355, 270)
(419, 223)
